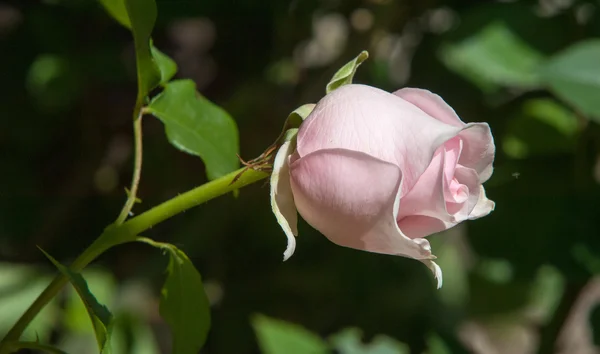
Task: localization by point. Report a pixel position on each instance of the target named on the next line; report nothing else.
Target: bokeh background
(518, 281)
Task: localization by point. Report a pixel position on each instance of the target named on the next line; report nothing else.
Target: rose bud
(379, 172)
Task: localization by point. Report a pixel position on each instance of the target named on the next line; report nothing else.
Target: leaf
(197, 126)
(116, 8)
(99, 315)
(293, 122)
(349, 341)
(574, 75)
(346, 73)
(166, 65)
(184, 304)
(142, 15)
(555, 125)
(139, 16)
(279, 337)
(20, 285)
(494, 57)
(75, 315)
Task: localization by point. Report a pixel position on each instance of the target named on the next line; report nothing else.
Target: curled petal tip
(436, 270)
(289, 250)
(282, 199)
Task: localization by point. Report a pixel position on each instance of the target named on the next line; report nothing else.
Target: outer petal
(483, 207)
(282, 198)
(431, 104)
(352, 198)
(478, 151)
(368, 120)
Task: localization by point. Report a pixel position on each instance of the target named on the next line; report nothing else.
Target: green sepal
(346, 73)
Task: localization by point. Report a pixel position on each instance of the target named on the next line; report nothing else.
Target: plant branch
(127, 232)
(137, 169)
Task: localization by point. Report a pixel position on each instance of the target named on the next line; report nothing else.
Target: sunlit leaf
(574, 75)
(103, 285)
(197, 126)
(346, 73)
(139, 16)
(20, 285)
(555, 125)
(184, 304)
(116, 8)
(349, 341)
(279, 337)
(99, 315)
(142, 15)
(166, 65)
(494, 57)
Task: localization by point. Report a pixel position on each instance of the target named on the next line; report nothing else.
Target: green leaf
(166, 65)
(346, 73)
(20, 285)
(555, 125)
(197, 126)
(116, 8)
(75, 314)
(100, 316)
(349, 341)
(139, 16)
(293, 122)
(494, 57)
(142, 15)
(183, 303)
(574, 75)
(279, 337)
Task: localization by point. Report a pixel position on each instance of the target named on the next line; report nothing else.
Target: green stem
(127, 232)
(137, 169)
(190, 199)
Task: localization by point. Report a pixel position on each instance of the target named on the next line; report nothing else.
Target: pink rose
(378, 172)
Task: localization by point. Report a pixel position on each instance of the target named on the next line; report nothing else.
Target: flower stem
(127, 232)
(137, 169)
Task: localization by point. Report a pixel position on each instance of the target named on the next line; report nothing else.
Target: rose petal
(483, 207)
(431, 104)
(469, 180)
(436, 203)
(418, 226)
(335, 193)
(282, 198)
(478, 150)
(368, 120)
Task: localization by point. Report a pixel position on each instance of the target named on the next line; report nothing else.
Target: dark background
(512, 279)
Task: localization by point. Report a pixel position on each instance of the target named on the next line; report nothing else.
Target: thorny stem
(127, 232)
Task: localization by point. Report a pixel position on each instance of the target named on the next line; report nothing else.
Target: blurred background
(518, 281)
